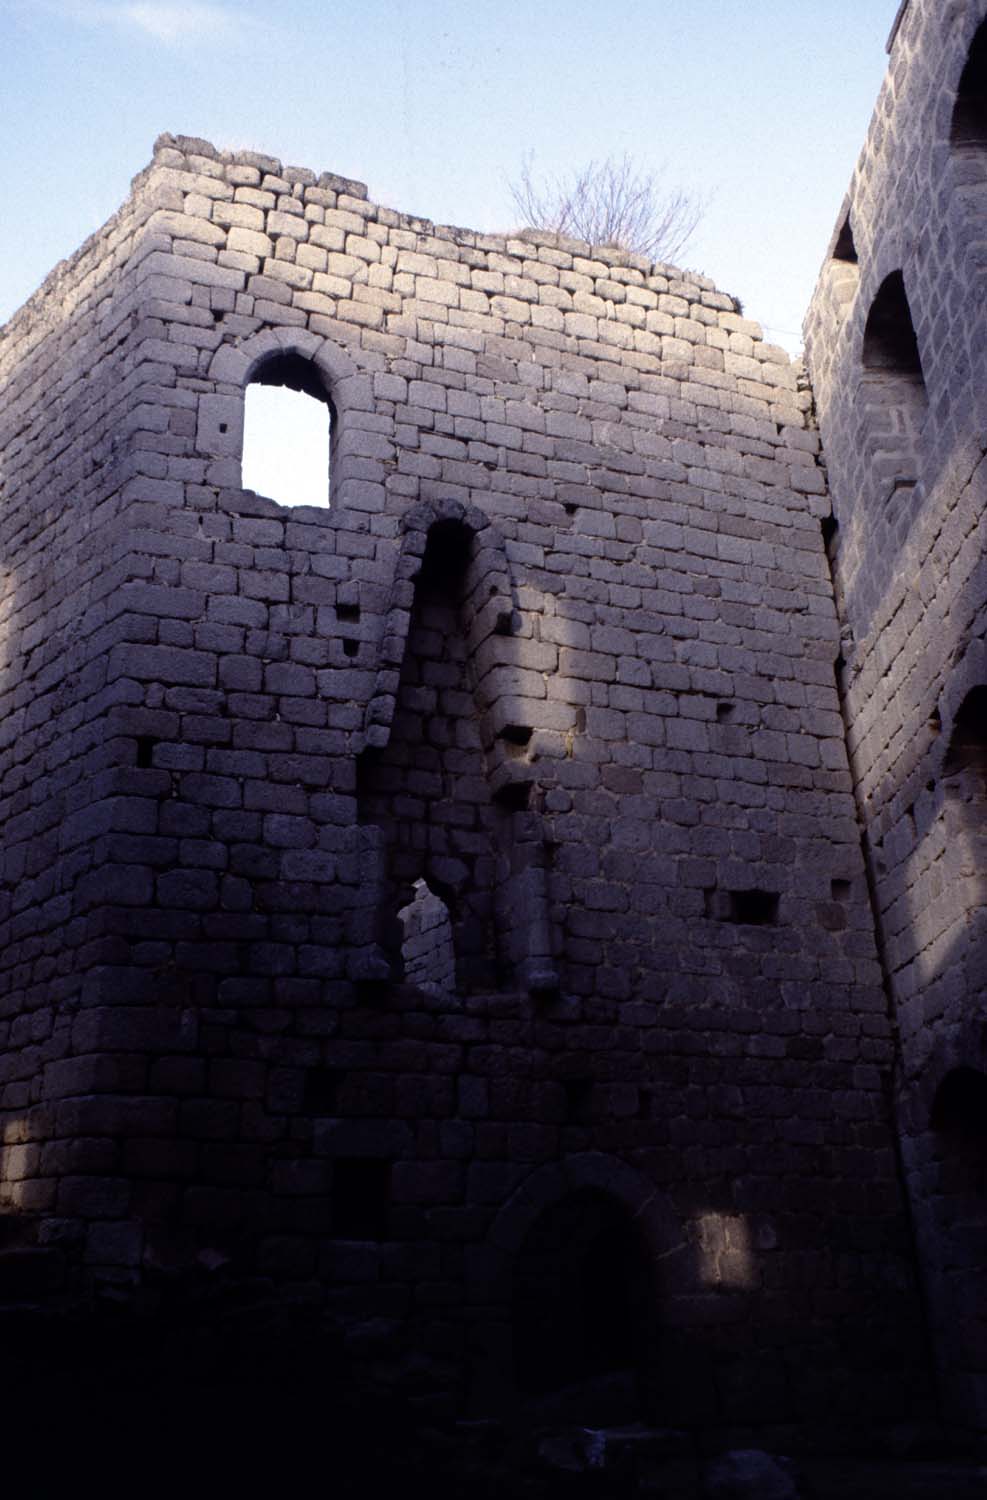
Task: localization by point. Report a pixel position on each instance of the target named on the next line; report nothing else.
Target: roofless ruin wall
(544, 697)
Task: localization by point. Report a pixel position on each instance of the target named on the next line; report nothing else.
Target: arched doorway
(581, 1303)
(587, 1242)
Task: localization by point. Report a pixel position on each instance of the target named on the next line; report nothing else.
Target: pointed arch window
(893, 386)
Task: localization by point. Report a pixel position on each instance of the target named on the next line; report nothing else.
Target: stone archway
(600, 1218)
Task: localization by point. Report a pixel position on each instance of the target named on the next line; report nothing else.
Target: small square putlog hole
(754, 908)
(145, 751)
(513, 796)
(516, 734)
(751, 908)
(578, 1101)
(361, 1195)
(345, 611)
(321, 1091)
(840, 890)
(724, 713)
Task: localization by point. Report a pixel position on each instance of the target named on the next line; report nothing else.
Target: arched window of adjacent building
(288, 434)
(968, 131)
(893, 386)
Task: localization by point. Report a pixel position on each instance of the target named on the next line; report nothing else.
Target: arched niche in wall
(892, 390)
(442, 796)
(289, 424)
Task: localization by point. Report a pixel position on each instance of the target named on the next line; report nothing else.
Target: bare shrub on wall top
(610, 202)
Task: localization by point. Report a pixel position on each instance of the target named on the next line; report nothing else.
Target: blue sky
(759, 106)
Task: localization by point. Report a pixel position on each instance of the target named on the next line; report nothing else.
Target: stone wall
(909, 555)
(561, 646)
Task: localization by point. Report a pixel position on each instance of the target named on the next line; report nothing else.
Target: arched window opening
(581, 1304)
(965, 766)
(426, 949)
(288, 434)
(968, 131)
(893, 385)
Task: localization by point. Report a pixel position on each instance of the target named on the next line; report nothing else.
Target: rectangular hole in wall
(754, 908)
(578, 1100)
(145, 750)
(349, 612)
(840, 890)
(514, 796)
(321, 1091)
(516, 734)
(350, 648)
(751, 908)
(361, 1193)
(724, 713)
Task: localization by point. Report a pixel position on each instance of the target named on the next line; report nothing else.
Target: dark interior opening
(514, 796)
(446, 555)
(581, 1303)
(960, 1105)
(829, 526)
(969, 125)
(320, 1091)
(968, 744)
(845, 249)
(361, 1190)
(890, 343)
(293, 372)
(754, 908)
(578, 1100)
(145, 750)
(516, 734)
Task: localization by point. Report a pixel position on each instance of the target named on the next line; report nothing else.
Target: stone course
(561, 646)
